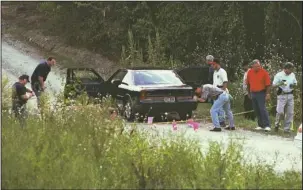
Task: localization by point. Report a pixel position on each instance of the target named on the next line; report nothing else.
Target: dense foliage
(73, 147)
(233, 31)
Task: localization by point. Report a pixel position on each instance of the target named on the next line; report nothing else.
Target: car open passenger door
(84, 80)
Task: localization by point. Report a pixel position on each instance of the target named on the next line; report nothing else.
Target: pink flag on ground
(150, 120)
(194, 125)
(174, 125)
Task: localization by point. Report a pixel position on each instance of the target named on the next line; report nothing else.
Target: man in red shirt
(258, 86)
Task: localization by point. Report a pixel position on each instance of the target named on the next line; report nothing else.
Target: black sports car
(139, 91)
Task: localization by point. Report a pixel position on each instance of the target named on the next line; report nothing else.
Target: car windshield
(154, 77)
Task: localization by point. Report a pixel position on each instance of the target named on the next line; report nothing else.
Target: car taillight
(142, 95)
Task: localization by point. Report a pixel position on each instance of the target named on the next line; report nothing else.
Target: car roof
(148, 68)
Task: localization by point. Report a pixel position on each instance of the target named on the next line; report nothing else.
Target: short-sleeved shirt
(18, 91)
(209, 91)
(289, 79)
(244, 83)
(41, 70)
(219, 77)
(258, 80)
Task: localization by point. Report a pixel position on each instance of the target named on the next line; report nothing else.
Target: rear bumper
(158, 108)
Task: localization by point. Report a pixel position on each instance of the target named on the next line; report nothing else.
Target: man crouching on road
(39, 76)
(19, 99)
(221, 101)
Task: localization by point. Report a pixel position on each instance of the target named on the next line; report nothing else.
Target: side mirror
(116, 82)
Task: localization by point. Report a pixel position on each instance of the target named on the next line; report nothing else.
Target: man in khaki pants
(285, 81)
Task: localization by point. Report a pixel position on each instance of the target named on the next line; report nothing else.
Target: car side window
(86, 75)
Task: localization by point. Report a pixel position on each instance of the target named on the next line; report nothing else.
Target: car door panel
(86, 80)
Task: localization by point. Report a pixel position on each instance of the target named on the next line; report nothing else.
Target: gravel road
(18, 58)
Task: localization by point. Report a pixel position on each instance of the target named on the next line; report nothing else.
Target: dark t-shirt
(210, 75)
(41, 70)
(18, 91)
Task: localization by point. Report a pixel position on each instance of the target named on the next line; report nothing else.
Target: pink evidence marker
(193, 124)
(150, 120)
(174, 125)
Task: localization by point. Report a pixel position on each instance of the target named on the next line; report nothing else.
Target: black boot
(216, 129)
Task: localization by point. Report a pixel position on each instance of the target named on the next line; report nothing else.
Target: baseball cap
(22, 77)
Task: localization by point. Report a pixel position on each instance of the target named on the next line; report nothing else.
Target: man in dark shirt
(19, 98)
(39, 76)
(209, 60)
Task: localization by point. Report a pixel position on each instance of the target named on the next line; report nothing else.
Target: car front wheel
(128, 110)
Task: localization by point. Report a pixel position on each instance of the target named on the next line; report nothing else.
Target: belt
(287, 93)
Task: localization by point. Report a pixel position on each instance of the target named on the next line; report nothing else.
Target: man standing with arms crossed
(285, 81)
(258, 86)
(19, 99)
(220, 80)
(39, 76)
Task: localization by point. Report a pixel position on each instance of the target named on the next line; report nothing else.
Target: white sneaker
(258, 128)
(267, 129)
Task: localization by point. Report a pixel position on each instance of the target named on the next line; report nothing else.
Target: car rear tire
(185, 115)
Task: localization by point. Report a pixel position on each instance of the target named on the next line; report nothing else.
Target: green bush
(80, 147)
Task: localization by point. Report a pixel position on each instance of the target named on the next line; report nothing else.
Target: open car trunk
(194, 76)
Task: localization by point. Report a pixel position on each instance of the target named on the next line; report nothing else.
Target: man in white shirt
(220, 80)
(285, 81)
(247, 101)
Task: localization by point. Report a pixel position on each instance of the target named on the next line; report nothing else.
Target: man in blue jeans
(258, 86)
(221, 101)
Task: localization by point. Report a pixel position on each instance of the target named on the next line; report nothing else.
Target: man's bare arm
(41, 81)
(224, 85)
(26, 97)
(28, 90)
(267, 89)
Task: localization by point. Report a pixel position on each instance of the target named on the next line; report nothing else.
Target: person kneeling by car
(221, 101)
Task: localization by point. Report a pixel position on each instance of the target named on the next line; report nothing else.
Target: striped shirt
(209, 91)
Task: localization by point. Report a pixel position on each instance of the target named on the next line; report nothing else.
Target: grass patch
(79, 147)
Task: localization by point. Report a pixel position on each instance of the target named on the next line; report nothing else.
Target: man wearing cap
(39, 76)
(285, 81)
(222, 102)
(19, 99)
(220, 80)
(258, 86)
